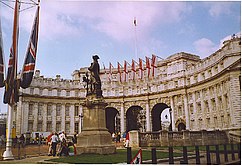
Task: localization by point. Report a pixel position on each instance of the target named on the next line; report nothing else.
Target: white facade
(203, 94)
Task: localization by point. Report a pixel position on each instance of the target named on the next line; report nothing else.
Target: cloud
(219, 8)
(114, 19)
(205, 47)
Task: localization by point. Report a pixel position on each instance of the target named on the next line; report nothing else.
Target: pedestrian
(74, 139)
(22, 140)
(48, 142)
(15, 141)
(71, 149)
(127, 140)
(62, 138)
(54, 141)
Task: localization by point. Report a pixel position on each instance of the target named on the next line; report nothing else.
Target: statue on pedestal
(94, 81)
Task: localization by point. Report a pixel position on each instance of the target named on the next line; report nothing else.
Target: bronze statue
(94, 81)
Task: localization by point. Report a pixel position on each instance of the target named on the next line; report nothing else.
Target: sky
(72, 31)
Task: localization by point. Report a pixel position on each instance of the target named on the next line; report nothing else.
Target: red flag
(125, 71)
(141, 68)
(30, 59)
(1, 58)
(154, 64)
(148, 66)
(133, 69)
(11, 87)
(110, 71)
(119, 71)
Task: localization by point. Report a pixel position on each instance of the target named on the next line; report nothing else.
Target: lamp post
(170, 111)
(81, 116)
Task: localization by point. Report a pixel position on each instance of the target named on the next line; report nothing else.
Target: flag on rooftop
(30, 59)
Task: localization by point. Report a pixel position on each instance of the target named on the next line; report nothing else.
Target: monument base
(96, 141)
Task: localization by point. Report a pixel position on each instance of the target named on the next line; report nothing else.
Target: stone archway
(156, 116)
(180, 124)
(112, 121)
(132, 118)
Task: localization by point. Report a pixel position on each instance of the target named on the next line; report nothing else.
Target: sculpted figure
(94, 78)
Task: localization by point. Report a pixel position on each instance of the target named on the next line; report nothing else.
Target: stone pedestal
(94, 137)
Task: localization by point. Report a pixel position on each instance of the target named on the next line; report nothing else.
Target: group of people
(59, 145)
(20, 140)
(116, 137)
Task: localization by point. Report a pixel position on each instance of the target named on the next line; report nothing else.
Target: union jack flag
(30, 59)
(11, 85)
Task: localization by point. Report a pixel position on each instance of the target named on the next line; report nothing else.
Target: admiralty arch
(201, 94)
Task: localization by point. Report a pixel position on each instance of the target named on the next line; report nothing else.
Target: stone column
(122, 118)
(186, 112)
(72, 119)
(35, 115)
(63, 117)
(80, 118)
(53, 118)
(25, 119)
(147, 117)
(44, 117)
(195, 110)
(172, 114)
(203, 110)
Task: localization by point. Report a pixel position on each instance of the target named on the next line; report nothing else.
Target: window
(49, 110)
(76, 110)
(31, 91)
(49, 92)
(67, 110)
(40, 109)
(30, 126)
(58, 109)
(67, 127)
(76, 93)
(76, 127)
(39, 126)
(68, 93)
(58, 92)
(58, 127)
(31, 108)
(49, 126)
(40, 91)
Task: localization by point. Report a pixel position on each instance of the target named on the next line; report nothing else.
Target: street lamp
(81, 117)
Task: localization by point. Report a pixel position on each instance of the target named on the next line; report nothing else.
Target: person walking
(127, 140)
(54, 141)
(22, 140)
(48, 142)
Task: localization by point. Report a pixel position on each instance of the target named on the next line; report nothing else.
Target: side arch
(112, 119)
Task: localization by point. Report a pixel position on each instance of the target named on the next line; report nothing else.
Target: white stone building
(203, 94)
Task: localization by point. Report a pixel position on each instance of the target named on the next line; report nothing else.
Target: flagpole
(8, 155)
(135, 42)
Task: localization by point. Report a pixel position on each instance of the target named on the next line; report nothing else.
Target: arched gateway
(156, 116)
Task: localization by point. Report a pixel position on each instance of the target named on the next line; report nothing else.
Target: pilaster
(72, 119)
(172, 113)
(63, 117)
(122, 117)
(35, 115)
(54, 117)
(147, 117)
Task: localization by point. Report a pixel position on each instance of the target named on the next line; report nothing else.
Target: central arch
(156, 115)
(132, 118)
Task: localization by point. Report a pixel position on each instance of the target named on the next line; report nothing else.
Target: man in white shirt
(62, 136)
(54, 141)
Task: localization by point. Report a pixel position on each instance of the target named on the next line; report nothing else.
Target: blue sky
(72, 31)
